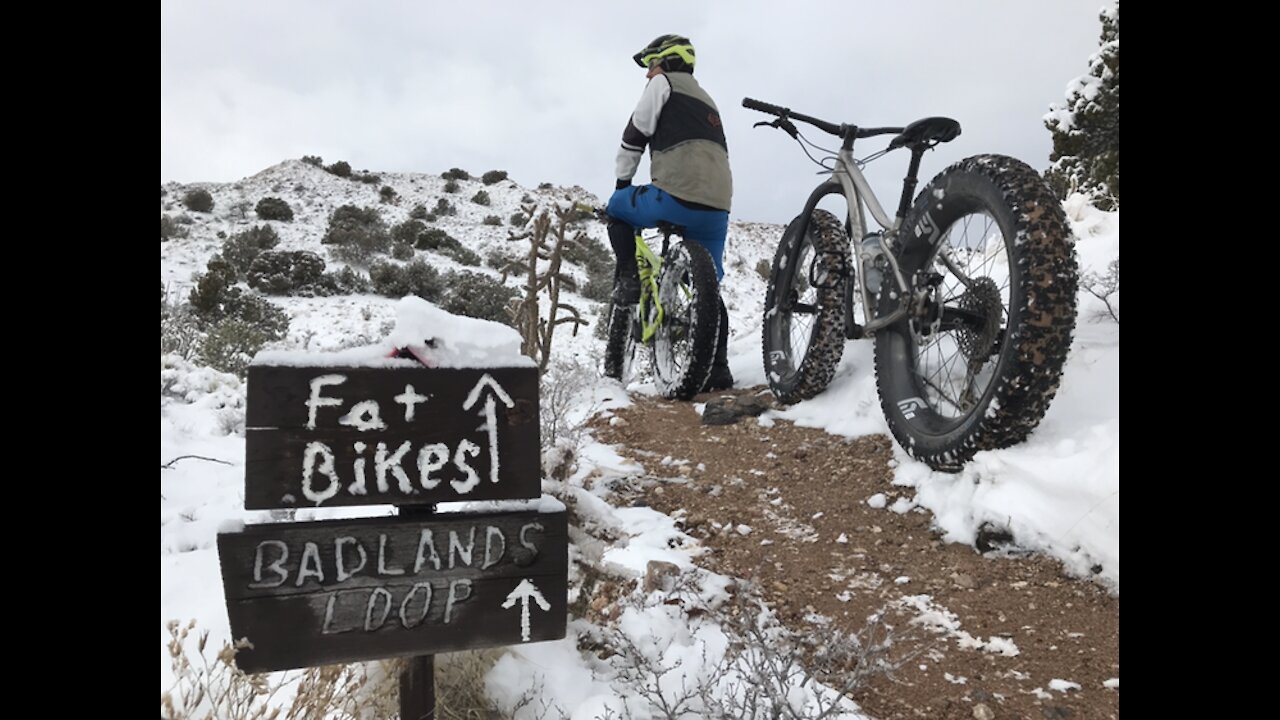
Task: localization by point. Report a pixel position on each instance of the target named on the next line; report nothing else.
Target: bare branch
(169, 465)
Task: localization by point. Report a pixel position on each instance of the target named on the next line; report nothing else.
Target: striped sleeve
(641, 126)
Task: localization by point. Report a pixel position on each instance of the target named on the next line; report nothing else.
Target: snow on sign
(316, 593)
(329, 436)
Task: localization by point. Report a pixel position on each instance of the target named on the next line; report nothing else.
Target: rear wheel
(804, 308)
(685, 343)
(979, 356)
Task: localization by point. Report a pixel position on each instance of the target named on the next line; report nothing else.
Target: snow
(434, 337)
(1057, 493)
(1063, 685)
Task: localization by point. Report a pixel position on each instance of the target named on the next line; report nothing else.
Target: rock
(660, 575)
(729, 410)
(982, 712)
(718, 412)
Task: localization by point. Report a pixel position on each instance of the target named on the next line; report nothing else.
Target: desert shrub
(764, 268)
(445, 244)
(358, 234)
(414, 278)
(295, 272)
(463, 255)
(169, 228)
(230, 345)
(179, 328)
(273, 208)
(242, 248)
(408, 231)
(346, 281)
(214, 291)
(198, 200)
(444, 207)
(477, 295)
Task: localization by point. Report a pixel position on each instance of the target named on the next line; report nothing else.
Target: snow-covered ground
(1058, 492)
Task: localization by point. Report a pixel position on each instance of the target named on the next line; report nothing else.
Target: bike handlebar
(837, 129)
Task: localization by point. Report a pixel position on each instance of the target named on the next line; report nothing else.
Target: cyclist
(689, 166)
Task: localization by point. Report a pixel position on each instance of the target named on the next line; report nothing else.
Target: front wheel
(622, 343)
(979, 356)
(803, 329)
(685, 343)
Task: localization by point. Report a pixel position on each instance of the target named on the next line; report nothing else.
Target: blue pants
(643, 206)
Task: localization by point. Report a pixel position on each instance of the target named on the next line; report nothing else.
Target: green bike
(677, 319)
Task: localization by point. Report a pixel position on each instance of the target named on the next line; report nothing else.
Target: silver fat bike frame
(849, 182)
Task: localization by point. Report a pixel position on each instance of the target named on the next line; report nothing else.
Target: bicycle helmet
(675, 52)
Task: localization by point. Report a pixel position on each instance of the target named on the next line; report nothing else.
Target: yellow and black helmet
(675, 52)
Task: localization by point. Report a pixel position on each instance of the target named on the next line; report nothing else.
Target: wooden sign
(323, 592)
(390, 436)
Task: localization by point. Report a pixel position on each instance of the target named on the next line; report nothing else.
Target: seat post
(910, 181)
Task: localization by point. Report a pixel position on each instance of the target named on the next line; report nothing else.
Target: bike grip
(765, 107)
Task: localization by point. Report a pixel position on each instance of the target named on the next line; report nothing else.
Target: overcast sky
(543, 90)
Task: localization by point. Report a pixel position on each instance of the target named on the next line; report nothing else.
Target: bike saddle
(669, 229)
(932, 130)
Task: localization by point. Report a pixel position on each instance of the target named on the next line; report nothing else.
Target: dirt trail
(815, 547)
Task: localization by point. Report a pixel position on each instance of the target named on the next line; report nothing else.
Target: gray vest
(690, 158)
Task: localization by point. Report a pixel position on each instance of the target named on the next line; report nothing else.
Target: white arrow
(490, 415)
(522, 593)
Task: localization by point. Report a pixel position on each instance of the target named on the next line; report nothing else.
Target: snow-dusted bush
(294, 272)
(415, 278)
(170, 228)
(444, 207)
(342, 168)
(241, 249)
(476, 295)
(198, 200)
(273, 208)
(358, 234)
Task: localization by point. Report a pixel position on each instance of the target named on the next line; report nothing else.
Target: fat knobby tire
(1041, 309)
(688, 267)
(789, 380)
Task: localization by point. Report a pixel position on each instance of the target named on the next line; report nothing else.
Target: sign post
(412, 585)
